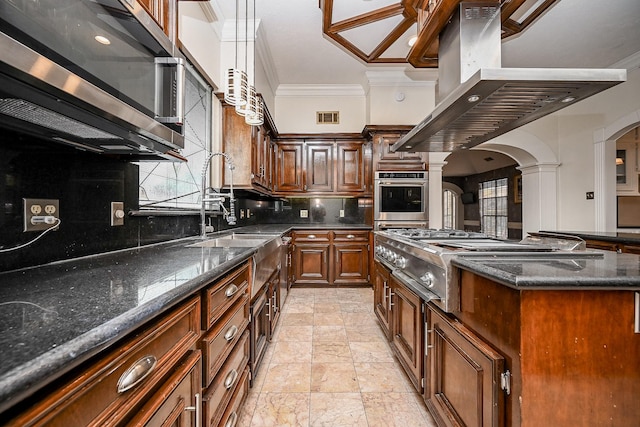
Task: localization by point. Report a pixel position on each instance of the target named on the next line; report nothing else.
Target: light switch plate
(341, 213)
(117, 214)
(304, 213)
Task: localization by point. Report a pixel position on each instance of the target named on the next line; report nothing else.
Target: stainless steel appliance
(421, 258)
(95, 74)
(479, 99)
(401, 199)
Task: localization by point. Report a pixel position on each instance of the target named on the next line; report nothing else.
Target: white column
(605, 184)
(436, 162)
(539, 197)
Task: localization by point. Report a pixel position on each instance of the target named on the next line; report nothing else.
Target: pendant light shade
(242, 107)
(235, 93)
(256, 115)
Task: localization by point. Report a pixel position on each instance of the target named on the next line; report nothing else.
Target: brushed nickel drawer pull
(136, 373)
(311, 236)
(230, 379)
(233, 419)
(636, 326)
(231, 290)
(231, 333)
(350, 236)
(197, 409)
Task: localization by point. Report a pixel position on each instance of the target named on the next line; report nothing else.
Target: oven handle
(414, 285)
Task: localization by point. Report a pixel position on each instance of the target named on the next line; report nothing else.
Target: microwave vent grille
(32, 113)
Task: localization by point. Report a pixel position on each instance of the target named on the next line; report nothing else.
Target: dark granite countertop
(55, 316)
(616, 237)
(592, 269)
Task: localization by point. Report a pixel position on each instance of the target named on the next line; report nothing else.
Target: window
(493, 208)
(176, 184)
(449, 211)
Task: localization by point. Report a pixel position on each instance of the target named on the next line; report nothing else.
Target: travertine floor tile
(371, 351)
(359, 319)
(381, 377)
(337, 334)
(288, 377)
(299, 307)
(331, 352)
(393, 409)
(326, 307)
(297, 319)
(337, 409)
(281, 409)
(333, 377)
(365, 333)
(295, 333)
(291, 352)
(328, 319)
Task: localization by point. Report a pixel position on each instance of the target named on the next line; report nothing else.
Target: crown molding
(320, 90)
(631, 62)
(263, 54)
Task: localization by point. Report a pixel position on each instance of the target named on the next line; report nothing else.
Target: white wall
(385, 109)
(198, 36)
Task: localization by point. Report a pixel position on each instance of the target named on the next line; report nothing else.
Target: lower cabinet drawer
(227, 381)
(177, 402)
(232, 414)
(218, 343)
(109, 388)
(219, 297)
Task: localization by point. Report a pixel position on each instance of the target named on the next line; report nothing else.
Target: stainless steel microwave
(96, 74)
(401, 197)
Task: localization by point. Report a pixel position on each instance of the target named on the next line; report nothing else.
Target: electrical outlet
(341, 213)
(39, 208)
(241, 213)
(248, 213)
(117, 214)
(304, 213)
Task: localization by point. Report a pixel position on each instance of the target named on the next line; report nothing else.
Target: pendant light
(256, 111)
(243, 109)
(235, 93)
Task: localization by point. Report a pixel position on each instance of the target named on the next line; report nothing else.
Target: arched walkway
(538, 164)
(604, 141)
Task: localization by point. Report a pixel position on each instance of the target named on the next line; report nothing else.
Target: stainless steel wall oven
(401, 199)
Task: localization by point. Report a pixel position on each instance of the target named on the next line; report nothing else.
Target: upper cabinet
(251, 149)
(382, 138)
(321, 165)
(165, 13)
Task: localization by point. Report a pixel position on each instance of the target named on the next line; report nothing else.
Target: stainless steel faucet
(218, 198)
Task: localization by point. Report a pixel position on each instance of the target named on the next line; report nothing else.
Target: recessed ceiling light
(473, 98)
(568, 99)
(102, 40)
(412, 41)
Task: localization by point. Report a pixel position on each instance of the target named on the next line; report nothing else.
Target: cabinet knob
(231, 290)
(230, 379)
(136, 373)
(231, 333)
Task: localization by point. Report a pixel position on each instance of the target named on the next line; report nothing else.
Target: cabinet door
(381, 292)
(407, 331)
(465, 376)
(319, 166)
(260, 328)
(350, 167)
(351, 263)
(177, 403)
(311, 263)
(289, 168)
(274, 302)
(385, 159)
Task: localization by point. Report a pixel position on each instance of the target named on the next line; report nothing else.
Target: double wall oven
(401, 199)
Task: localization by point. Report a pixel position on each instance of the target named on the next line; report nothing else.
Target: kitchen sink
(235, 240)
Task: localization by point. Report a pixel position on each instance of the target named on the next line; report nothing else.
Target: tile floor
(329, 365)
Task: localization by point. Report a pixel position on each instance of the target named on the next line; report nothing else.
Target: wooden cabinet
(465, 375)
(311, 262)
(274, 302)
(289, 168)
(407, 331)
(319, 167)
(322, 165)
(323, 257)
(249, 147)
(383, 137)
(382, 297)
(260, 328)
(164, 13)
(350, 257)
(572, 354)
(112, 387)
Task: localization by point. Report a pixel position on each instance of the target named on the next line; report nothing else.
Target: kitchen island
(564, 331)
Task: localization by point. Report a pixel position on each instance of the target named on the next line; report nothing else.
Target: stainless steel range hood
(481, 100)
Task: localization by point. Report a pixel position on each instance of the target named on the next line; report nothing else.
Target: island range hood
(481, 100)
